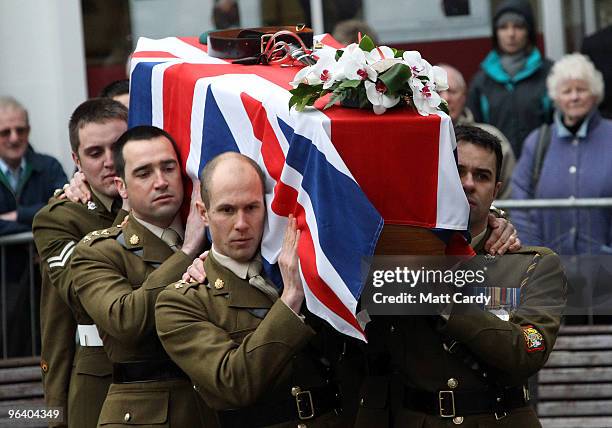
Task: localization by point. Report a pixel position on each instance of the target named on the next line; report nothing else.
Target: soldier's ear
(203, 212)
(121, 187)
(497, 188)
(76, 160)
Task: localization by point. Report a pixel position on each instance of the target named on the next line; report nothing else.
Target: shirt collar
(239, 269)
(106, 200)
(562, 131)
(478, 238)
(176, 224)
(6, 169)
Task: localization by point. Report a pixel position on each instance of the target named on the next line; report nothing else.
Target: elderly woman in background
(576, 163)
(574, 159)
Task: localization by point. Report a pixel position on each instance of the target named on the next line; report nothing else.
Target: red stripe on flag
(285, 202)
(381, 158)
(272, 153)
(195, 42)
(153, 54)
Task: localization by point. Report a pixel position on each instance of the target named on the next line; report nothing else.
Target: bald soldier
(470, 365)
(118, 273)
(76, 376)
(244, 343)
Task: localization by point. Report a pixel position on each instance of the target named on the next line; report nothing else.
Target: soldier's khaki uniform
(470, 360)
(117, 275)
(75, 378)
(243, 352)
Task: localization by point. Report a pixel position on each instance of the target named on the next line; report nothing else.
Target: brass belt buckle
(303, 403)
(446, 399)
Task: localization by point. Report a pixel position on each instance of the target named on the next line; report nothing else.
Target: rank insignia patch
(533, 339)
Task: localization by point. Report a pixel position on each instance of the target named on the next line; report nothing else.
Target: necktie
(259, 282)
(172, 238)
(14, 176)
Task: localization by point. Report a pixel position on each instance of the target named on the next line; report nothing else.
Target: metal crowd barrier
(6, 242)
(590, 271)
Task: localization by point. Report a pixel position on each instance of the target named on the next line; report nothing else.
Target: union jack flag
(211, 106)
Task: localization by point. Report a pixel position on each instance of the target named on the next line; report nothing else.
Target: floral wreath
(365, 74)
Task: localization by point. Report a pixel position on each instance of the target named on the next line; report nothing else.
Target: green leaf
(395, 78)
(304, 89)
(398, 53)
(337, 96)
(350, 83)
(366, 43)
(444, 107)
(339, 53)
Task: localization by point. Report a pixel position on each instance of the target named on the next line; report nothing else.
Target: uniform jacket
(577, 166)
(57, 228)
(117, 275)
(515, 105)
(42, 176)
(412, 346)
(237, 346)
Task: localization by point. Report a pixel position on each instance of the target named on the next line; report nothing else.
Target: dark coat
(43, 175)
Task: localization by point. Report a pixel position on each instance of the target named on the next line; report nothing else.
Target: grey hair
(579, 67)
(10, 103)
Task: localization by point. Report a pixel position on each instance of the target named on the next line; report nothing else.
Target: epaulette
(96, 235)
(182, 286)
(543, 251)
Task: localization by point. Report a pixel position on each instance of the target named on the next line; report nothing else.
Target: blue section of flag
(216, 135)
(141, 102)
(348, 224)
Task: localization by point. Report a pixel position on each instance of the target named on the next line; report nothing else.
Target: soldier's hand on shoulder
(503, 236)
(196, 271)
(78, 189)
(195, 238)
(288, 262)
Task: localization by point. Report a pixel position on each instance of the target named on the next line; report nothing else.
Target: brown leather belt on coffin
(246, 42)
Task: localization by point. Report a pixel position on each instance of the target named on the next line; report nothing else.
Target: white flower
(425, 98)
(418, 65)
(352, 65)
(382, 58)
(439, 77)
(324, 71)
(376, 96)
(379, 53)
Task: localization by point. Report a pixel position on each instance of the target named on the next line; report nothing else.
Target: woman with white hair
(574, 160)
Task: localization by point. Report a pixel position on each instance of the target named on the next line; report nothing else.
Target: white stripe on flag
(157, 92)
(453, 210)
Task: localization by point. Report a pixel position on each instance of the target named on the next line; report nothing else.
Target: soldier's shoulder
(110, 234)
(527, 250)
(184, 287)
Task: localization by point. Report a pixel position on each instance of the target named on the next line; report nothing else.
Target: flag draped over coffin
(211, 106)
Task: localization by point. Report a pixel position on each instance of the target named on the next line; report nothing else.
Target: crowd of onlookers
(554, 139)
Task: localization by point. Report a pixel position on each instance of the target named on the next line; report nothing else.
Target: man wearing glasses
(27, 181)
